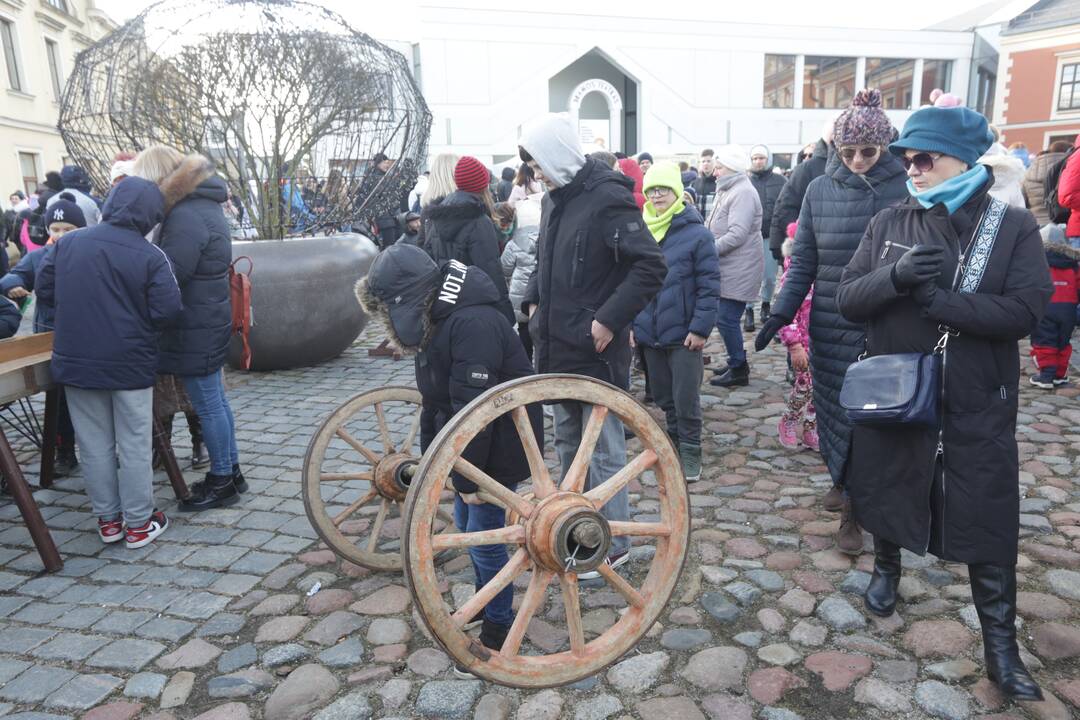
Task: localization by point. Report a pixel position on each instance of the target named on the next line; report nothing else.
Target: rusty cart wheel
(551, 642)
(354, 488)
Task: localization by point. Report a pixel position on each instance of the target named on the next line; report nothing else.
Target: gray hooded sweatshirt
(553, 143)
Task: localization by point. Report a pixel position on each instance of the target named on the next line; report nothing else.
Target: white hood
(553, 143)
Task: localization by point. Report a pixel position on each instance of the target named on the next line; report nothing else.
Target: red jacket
(1069, 191)
(632, 170)
(1064, 273)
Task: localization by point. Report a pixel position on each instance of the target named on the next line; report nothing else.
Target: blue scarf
(954, 192)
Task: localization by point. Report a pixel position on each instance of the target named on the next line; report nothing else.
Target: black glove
(777, 254)
(917, 265)
(924, 294)
(769, 328)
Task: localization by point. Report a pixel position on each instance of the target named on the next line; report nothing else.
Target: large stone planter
(302, 300)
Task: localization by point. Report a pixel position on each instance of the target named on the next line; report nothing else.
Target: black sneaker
(737, 376)
(214, 492)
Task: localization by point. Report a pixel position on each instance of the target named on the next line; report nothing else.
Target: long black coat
(596, 260)
(458, 227)
(789, 202)
(195, 237)
(961, 505)
(769, 185)
(835, 213)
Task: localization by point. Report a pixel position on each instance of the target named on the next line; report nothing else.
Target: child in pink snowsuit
(798, 423)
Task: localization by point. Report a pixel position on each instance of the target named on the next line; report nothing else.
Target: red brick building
(1039, 75)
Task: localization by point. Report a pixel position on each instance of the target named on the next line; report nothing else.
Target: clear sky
(397, 19)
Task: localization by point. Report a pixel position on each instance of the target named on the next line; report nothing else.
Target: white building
(667, 86)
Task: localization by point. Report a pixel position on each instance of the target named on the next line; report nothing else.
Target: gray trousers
(608, 458)
(111, 425)
(675, 376)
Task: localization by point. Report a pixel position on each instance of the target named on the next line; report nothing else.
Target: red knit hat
(470, 175)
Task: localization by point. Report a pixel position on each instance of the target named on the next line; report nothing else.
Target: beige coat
(735, 222)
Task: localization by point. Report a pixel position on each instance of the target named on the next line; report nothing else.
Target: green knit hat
(664, 174)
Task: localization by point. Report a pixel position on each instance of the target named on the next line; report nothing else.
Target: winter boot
(849, 538)
(748, 319)
(993, 588)
(492, 636)
(238, 480)
(691, 461)
(66, 462)
(199, 456)
(834, 499)
(880, 595)
(737, 376)
(214, 492)
(766, 309)
(1045, 378)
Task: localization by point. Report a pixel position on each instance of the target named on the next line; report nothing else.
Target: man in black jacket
(787, 207)
(450, 316)
(597, 267)
(769, 185)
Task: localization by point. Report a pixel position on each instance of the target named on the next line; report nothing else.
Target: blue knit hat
(65, 210)
(957, 131)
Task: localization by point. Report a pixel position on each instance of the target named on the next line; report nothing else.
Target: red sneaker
(110, 531)
(140, 536)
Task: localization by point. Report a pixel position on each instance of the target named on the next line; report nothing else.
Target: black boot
(993, 588)
(66, 462)
(199, 457)
(880, 595)
(748, 319)
(238, 480)
(492, 635)
(766, 309)
(734, 377)
(214, 492)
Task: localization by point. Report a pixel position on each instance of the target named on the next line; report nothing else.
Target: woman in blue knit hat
(950, 259)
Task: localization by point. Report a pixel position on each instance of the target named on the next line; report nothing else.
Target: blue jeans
(768, 282)
(207, 393)
(487, 560)
(608, 458)
(728, 319)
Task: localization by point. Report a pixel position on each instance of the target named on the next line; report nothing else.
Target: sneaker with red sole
(110, 531)
(137, 537)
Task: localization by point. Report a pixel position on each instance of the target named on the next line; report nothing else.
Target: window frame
(926, 88)
(59, 6)
(54, 61)
(803, 84)
(1064, 60)
(795, 86)
(906, 92)
(9, 33)
(30, 185)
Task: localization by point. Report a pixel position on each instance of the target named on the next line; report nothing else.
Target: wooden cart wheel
(354, 489)
(559, 520)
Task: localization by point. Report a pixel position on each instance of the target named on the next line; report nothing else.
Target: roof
(989, 13)
(1044, 15)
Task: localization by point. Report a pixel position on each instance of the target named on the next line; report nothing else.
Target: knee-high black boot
(993, 587)
(880, 595)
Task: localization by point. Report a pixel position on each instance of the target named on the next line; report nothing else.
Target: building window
(28, 166)
(52, 50)
(11, 57)
(828, 82)
(60, 5)
(894, 78)
(1069, 90)
(935, 74)
(779, 91)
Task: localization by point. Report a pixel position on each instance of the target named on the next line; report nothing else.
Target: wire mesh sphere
(316, 126)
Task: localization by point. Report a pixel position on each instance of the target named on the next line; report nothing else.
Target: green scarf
(659, 224)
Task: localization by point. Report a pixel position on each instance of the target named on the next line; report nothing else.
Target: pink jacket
(798, 332)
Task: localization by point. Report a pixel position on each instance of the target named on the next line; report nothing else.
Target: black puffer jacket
(972, 516)
(789, 203)
(769, 185)
(458, 227)
(596, 260)
(470, 348)
(195, 237)
(835, 213)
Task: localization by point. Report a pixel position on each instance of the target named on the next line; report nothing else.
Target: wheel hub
(565, 533)
(393, 475)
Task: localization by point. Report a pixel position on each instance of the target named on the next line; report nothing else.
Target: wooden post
(163, 444)
(49, 432)
(39, 532)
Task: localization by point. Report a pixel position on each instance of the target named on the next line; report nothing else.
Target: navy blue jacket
(195, 237)
(691, 293)
(24, 275)
(112, 291)
(10, 317)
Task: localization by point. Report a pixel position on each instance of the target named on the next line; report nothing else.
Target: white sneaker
(615, 561)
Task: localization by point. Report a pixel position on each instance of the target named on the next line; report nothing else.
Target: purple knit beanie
(864, 123)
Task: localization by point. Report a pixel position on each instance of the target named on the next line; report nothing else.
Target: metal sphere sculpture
(296, 108)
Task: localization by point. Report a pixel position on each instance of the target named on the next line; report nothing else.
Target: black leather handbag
(896, 389)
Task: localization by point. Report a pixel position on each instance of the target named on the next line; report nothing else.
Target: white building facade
(667, 86)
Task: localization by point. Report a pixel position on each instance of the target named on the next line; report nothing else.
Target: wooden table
(24, 371)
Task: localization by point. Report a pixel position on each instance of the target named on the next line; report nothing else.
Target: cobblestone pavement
(214, 620)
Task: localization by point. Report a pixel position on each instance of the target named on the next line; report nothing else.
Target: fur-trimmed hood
(377, 310)
(1066, 255)
(458, 205)
(194, 176)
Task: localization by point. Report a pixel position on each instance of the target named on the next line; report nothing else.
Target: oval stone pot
(303, 305)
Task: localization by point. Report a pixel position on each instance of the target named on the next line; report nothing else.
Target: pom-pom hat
(863, 122)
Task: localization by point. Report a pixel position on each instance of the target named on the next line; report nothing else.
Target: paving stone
(192, 654)
(937, 638)
(229, 711)
(798, 601)
(178, 689)
(354, 706)
(684, 638)
(597, 708)
(428, 662)
(717, 668)
(390, 600)
(198, 605)
(952, 670)
(284, 654)
(1064, 583)
(120, 710)
(1056, 641)
(544, 705)
(281, 629)
(388, 631)
(770, 685)
(239, 684)
(238, 657)
(839, 670)
(448, 698)
(326, 601)
(673, 708)
(35, 684)
(720, 608)
(83, 692)
(165, 628)
(222, 624)
(21, 640)
(882, 695)
(11, 667)
(126, 654)
(276, 605)
(940, 700)
(69, 647)
(838, 613)
(333, 627)
(778, 654)
(638, 673)
(145, 685)
(343, 655)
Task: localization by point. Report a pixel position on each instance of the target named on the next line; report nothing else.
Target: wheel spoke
(447, 518)
(574, 480)
(384, 430)
(498, 492)
(619, 583)
(530, 603)
(542, 483)
(332, 477)
(600, 494)
(376, 527)
(340, 517)
(414, 429)
(572, 604)
(357, 446)
(511, 571)
(513, 535)
(638, 529)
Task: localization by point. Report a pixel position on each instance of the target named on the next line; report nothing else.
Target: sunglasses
(867, 152)
(923, 162)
